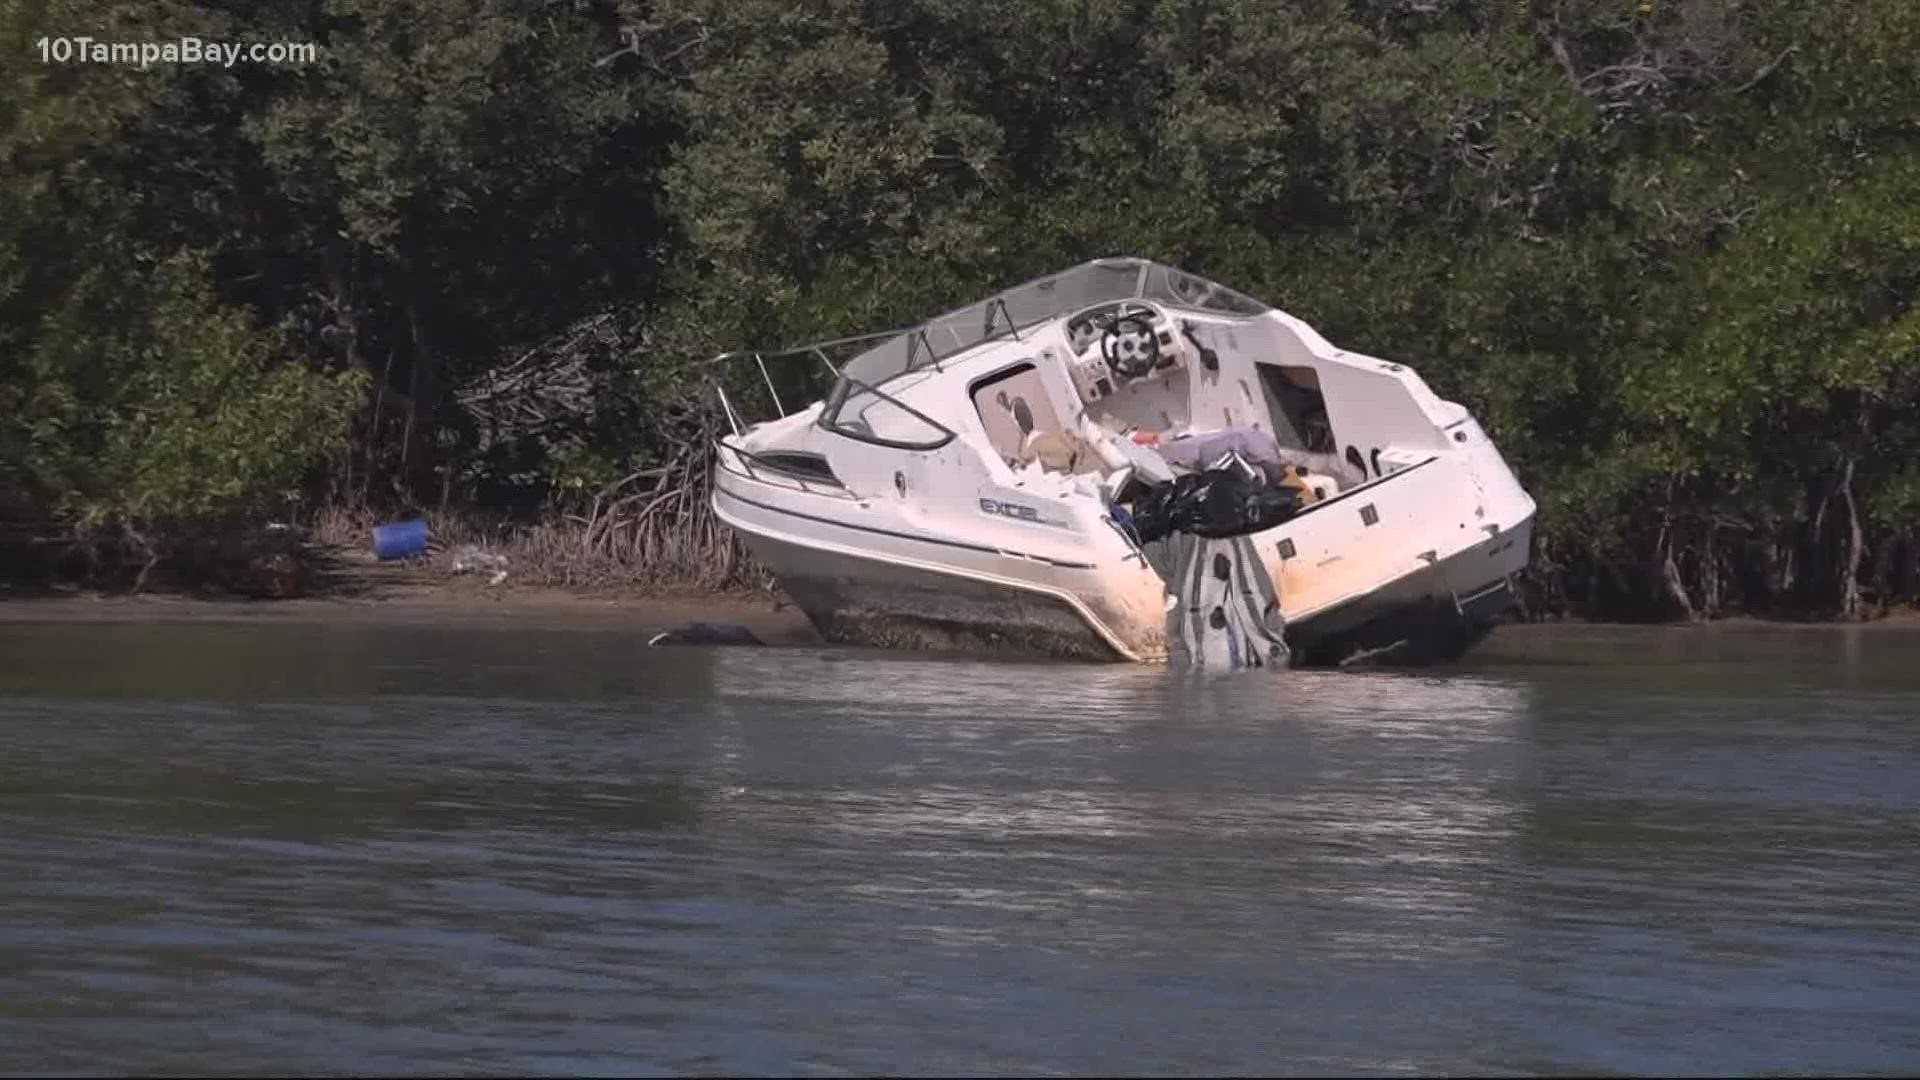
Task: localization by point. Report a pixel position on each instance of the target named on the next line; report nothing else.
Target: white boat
(965, 483)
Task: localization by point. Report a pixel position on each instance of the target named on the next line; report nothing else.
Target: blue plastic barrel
(400, 540)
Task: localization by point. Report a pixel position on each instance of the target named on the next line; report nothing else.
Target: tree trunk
(1676, 588)
(1784, 560)
(343, 335)
(150, 554)
(1850, 567)
(1667, 570)
(1710, 571)
(1668, 574)
(375, 433)
(417, 461)
(345, 318)
(1816, 554)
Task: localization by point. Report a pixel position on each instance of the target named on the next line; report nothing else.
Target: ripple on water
(404, 852)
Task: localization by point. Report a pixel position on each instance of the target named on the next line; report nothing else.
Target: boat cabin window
(1024, 426)
(801, 463)
(1017, 414)
(1194, 291)
(1299, 411)
(859, 411)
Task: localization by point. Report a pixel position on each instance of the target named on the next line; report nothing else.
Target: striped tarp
(1226, 610)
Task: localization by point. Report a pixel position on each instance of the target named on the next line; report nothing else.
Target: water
(280, 849)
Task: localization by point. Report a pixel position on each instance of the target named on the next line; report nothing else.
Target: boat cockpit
(1094, 372)
(1141, 379)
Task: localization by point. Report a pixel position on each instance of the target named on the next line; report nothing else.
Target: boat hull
(864, 601)
(891, 600)
(880, 584)
(1432, 615)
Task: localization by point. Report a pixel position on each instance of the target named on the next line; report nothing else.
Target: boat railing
(881, 357)
(739, 408)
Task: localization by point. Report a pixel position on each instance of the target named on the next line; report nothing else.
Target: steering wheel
(1130, 346)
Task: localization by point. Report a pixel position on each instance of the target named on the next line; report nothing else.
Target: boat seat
(1058, 451)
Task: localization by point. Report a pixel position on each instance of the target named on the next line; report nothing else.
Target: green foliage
(205, 424)
(1667, 251)
(165, 406)
(131, 392)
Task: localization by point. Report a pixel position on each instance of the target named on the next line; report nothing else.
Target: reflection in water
(1136, 818)
(401, 851)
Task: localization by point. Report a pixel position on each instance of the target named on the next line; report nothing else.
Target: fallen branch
(1768, 69)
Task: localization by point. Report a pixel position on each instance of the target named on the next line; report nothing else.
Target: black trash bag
(705, 633)
(1215, 504)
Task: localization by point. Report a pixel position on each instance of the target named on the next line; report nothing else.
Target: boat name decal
(1013, 510)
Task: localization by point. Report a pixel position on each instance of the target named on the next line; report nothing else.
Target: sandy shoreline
(469, 604)
(449, 605)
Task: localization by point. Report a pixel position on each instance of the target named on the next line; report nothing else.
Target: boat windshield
(1036, 302)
